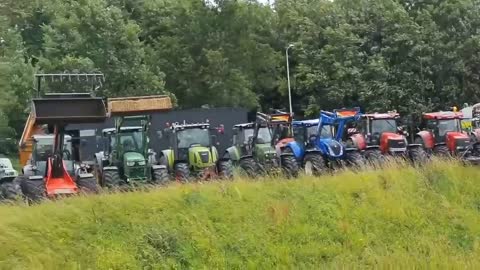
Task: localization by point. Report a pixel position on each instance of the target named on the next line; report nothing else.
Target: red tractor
(379, 135)
(441, 134)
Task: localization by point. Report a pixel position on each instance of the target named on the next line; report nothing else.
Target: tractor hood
(264, 148)
(457, 141)
(392, 142)
(202, 157)
(133, 156)
(334, 148)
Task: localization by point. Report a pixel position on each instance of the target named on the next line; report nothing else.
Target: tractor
(8, 188)
(193, 154)
(259, 147)
(126, 159)
(441, 134)
(474, 129)
(50, 171)
(319, 145)
(380, 135)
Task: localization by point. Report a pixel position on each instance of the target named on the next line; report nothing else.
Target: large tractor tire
(160, 176)
(10, 191)
(182, 172)
(290, 166)
(418, 155)
(225, 169)
(441, 151)
(249, 166)
(314, 164)
(33, 190)
(111, 179)
(88, 185)
(374, 158)
(355, 159)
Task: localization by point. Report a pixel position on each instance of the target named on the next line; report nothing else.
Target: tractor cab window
(264, 135)
(131, 141)
(44, 149)
(379, 126)
(190, 136)
(448, 125)
(326, 132)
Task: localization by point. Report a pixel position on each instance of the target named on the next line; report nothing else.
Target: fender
(427, 139)
(246, 156)
(169, 158)
(372, 147)
(359, 141)
(297, 150)
(85, 175)
(158, 167)
(110, 168)
(233, 153)
(413, 145)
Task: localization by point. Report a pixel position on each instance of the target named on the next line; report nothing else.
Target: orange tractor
(441, 134)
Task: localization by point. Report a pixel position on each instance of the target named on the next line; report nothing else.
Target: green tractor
(126, 158)
(192, 153)
(258, 147)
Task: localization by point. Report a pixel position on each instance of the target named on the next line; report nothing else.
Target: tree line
(407, 55)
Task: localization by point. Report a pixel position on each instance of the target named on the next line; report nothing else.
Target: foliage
(396, 218)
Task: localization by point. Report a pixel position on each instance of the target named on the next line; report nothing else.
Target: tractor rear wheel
(33, 190)
(441, 151)
(249, 166)
(225, 168)
(182, 172)
(160, 176)
(10, 191)
(374, 157)
(111, 179)
(418, 155)
(355, 159)
(290, 166)
(314, 164)
(88, 185)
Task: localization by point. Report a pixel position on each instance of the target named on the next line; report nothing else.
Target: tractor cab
(305, 132)
(382, 130)
(243, 136)
(43, 149)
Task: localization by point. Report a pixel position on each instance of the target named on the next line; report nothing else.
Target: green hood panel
(202, 157)
(133, 156)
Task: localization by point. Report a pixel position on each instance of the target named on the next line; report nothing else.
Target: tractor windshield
(264, 135)
(131, 141)
(380, 126)
(44, 149)
(447, 125)
(190, 136)
(326, 132)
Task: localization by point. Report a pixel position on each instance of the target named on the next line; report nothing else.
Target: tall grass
(399, 217)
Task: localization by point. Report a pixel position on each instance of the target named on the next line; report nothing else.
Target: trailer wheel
(249, 166)
(182, 172)
(441, 151)
(11, 190)
(111, 179)
(314, 164)
(418, 155)
(33, 190)
(290, 166)
(88, 185)
(225, 168)
(160, 176)
(355, 159)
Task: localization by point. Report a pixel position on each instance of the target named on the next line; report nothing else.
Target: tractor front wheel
(88, 185)
(34, 190)
(182, 172)
(355, 159)
(290, 166)
(111, 179)
(225, 168)
(441, 151)
(374, 157)
(249, 166)
(10, 191)
(314, 164)
(160, 176)
(418, 155)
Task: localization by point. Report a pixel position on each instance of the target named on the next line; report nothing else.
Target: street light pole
(288, 79)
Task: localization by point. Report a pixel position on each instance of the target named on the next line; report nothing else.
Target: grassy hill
(396, 218)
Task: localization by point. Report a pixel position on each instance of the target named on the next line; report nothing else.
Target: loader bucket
(69, 109)
(128, 106)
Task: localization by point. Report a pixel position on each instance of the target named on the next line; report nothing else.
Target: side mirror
(159, 134)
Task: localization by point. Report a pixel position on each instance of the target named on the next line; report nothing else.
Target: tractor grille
(335, 147)
(395, 144)
(137, 172)
(462, 143)
(204, 156)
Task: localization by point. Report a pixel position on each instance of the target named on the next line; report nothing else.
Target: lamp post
(288, 79)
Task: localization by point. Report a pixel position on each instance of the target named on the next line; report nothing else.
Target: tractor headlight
(142, 163)
(130, 163)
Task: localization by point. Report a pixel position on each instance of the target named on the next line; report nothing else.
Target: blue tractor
(320, 145)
